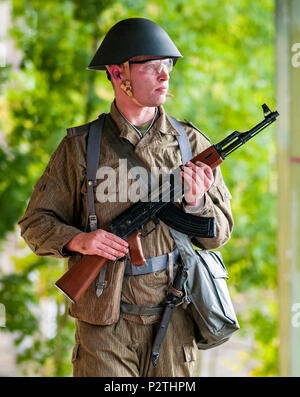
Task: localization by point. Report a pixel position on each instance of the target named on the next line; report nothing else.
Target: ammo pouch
(104, 310)
(206, 294)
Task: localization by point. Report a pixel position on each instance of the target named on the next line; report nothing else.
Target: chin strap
(126, 85)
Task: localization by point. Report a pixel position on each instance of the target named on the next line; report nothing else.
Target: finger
(112, 244)
(111, 237)
(207, 170)
(104, 254)
(198, 176)
(110, 250)
(208, 178)
(200, 167)
(192, 171)
(196, 166)
(191, 186)
(187, 178)
(203, 171)
(201, 164)
(191, 176)
(203, 181)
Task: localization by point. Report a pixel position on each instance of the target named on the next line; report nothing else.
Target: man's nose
(164, 74)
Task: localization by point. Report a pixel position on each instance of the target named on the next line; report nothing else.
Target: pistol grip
(135, 249)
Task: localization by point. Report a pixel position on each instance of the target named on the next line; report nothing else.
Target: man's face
(150, 80)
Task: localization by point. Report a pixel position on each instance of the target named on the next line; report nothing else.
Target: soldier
(114, 326)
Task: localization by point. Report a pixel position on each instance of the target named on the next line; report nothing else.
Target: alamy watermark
(295, 60)
(2, 315)
(295, 319)
(121, 184)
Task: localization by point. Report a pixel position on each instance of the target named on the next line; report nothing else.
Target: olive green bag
(206, 294)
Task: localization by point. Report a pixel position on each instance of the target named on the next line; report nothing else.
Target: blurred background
(237, 56)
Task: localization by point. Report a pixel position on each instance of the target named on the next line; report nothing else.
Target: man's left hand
(197, 179)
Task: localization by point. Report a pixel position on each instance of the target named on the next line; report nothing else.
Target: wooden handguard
(210, 156)
(76, 280)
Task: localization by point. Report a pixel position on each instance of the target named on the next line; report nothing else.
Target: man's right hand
(99, 242)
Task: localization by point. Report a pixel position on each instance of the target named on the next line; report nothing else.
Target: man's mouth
(162, 90)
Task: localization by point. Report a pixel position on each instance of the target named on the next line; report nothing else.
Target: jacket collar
(162, 125)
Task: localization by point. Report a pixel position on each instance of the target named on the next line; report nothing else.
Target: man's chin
(160, 100)
(154, 102)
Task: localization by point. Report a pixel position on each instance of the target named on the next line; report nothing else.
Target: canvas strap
(92, 163)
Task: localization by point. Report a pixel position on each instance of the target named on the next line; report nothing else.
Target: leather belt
(152, 264)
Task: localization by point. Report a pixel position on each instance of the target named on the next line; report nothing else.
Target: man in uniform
(114, 329)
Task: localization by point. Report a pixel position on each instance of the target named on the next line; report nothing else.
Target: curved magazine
(192, 225)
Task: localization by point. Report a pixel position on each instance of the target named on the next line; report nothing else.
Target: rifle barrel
(237, 139)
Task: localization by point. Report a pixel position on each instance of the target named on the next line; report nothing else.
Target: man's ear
(116, 73)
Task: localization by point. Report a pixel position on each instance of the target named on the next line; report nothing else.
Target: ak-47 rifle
(129, 224)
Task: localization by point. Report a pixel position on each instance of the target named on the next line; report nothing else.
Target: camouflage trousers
(124, 349)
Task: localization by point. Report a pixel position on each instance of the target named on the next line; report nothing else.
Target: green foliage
(226, 74)
(261, 316)
(28, 296)
(17, 295)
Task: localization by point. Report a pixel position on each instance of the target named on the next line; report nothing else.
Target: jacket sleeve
(52, 217)
(216, 200)
(216, 204)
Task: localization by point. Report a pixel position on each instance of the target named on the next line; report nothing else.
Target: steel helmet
(133, 37)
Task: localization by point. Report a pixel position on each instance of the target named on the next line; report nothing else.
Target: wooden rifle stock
(76, 280)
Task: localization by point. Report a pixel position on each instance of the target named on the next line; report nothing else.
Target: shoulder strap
(92, 162)
(182, 139)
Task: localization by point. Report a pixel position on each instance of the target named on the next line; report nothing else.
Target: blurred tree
(226, 74)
